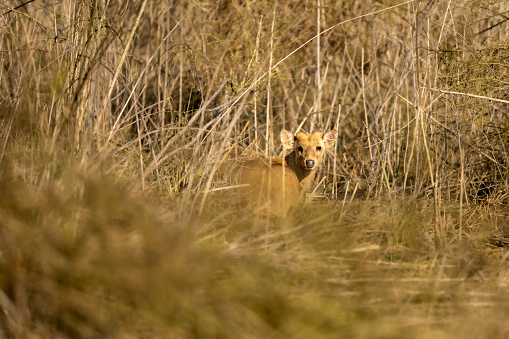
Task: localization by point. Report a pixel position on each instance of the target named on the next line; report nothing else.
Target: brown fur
(277, 184)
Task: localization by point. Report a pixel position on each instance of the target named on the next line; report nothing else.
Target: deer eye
(300, 149)
(318, 148)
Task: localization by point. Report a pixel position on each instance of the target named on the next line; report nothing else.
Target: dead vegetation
(117, 120)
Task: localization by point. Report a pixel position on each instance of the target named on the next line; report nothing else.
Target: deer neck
(305, 177)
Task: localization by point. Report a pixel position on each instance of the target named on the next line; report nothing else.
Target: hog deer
(278, 184)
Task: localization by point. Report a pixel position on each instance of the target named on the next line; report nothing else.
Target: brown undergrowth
(119, 123)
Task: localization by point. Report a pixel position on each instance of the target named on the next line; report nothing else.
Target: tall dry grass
(119, 121)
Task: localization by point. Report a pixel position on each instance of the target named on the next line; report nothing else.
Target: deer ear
(329, 138)
(287, 139)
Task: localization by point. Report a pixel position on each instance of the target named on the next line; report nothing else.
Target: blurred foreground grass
(85, 256)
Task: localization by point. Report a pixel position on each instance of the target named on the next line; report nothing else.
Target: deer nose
(310, 164)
